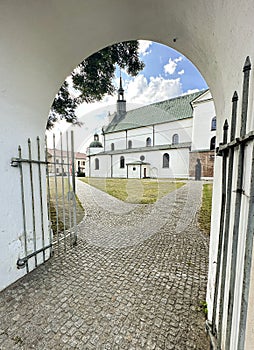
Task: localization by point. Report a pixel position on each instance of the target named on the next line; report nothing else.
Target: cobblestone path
(135, 281)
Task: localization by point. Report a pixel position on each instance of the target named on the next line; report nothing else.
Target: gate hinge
(14, 162)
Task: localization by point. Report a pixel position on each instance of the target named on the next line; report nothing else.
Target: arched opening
(122, 162)
(213, 124)
(96, 164)
(148, 142)
(212, 143)
(175, 139)
(25, 116)
(165, 160)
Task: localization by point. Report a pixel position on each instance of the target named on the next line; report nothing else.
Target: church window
(122, 162)
(213, 124)
(165, 163)
(148, 142)
(129, 144)
(134, 168)
(112, 146)
(97, 164)
(212, 143)
(175, 139)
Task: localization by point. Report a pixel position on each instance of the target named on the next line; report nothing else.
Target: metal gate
(48, 198)
(237, 160)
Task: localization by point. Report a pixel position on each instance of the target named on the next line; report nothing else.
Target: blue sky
(167, 74)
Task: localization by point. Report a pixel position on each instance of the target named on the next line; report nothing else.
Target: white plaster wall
(138, 136)
(39, 48)
(203, 113)
(165, 132)
(118, 138)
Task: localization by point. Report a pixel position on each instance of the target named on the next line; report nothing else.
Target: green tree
(93, 78)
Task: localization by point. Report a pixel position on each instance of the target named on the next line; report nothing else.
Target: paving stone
(134, 281)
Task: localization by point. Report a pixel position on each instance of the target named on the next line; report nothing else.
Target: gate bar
(223, 203)
(68, 177)
(48, 195)
(56, 193)
(74, 189)
(247, 262)
(32, 198)
(23, 205)
(41, 202)
(238, 201)
(227, 215)
(62, 176)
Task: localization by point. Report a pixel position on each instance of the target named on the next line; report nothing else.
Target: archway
(36, 55)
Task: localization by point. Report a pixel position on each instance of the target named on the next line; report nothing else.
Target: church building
(169, 139)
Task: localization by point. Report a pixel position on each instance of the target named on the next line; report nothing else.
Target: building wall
(203, 113)
(207, 162)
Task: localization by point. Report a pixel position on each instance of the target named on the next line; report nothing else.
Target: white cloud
(191, 91)
(170, 67)
(181, 72)
(144, 46)
(142, 91)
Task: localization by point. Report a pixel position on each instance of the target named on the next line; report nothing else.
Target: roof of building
(161, 112)
(95, 144)
(59, 153)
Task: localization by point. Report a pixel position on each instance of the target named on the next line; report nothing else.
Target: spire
(121, 103)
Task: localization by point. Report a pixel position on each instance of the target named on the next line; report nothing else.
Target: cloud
(181, 72)
(141, 91)
(144, 46)
(191, 91)
(170, 67)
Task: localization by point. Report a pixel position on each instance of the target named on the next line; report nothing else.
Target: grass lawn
(142, 191)
(65, 208)
(204, 216)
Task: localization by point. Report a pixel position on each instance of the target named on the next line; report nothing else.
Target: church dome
(96, 142)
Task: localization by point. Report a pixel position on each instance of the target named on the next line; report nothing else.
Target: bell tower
(121, 102)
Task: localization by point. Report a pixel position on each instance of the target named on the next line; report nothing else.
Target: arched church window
(148, 142)
(213, 124)
(165, 161)
(175, 139)
(129, 144)
(122, 162)
(112, 146)
(212, 143)
(97, 164)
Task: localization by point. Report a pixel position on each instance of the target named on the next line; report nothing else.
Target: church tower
(121, 102)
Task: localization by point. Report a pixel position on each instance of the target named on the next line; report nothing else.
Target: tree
(93, 78)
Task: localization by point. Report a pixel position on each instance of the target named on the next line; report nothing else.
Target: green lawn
(142, 191)
(204, 216)
(65, 207)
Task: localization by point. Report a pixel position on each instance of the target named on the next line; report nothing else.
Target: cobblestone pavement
(135, 281)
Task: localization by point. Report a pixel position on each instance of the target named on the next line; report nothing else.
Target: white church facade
(168, 139)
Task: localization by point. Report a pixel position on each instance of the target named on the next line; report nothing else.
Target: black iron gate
(234, 166)
(48, 197)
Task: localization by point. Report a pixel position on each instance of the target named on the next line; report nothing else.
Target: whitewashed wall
(39, 49)
(203, 113)
(165, 132)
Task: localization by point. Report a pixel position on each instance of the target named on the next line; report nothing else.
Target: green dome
(95, 144)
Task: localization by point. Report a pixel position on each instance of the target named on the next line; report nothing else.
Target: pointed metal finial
(247, 64)
(235, 97)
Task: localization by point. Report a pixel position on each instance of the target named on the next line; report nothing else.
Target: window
(213, 124)
(134, 168)
(165, 160)
(175, 139)
(112, 147)
(122, 163)
(129, 144)
(97, 164)
(148, 142)
(212, 143)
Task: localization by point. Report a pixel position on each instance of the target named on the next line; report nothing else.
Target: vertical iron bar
(23, 205)
(69, 184)
(41, 201)
(227, 216)
(63, 192)
(56, 193)
(48, 195)
(238, 201)
(32, 197)
(247, 262)
(223, 202)
(74, 189)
